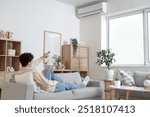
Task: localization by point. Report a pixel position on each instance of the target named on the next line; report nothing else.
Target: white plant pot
(117, 83)
(109, 74)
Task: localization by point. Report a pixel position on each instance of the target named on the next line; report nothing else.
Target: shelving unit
(9, 60)
(76, 63)
(2, 54)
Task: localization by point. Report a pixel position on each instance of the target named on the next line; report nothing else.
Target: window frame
(145, 35)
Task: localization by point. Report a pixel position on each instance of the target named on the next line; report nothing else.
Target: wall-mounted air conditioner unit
(91, 10)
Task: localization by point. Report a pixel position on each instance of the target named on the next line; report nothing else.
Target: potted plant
(117, 81)
(57, 60)
(106, 57)
(74, 43)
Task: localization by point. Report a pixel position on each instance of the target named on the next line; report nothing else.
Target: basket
(11, 52)
(147, 87)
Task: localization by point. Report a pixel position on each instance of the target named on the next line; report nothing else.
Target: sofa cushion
(140, 77)
(127, 78)
(26, 78)
(87, 92)
(84, 93)
(70, 77)
(64, 95)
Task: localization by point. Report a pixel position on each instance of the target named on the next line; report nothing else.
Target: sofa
(139, 78)
(25, 91)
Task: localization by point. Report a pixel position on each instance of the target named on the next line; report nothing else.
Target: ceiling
(77, 2)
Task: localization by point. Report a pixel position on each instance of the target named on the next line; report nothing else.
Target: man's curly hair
(25, 58)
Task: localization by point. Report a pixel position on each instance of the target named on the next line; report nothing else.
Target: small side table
(108, 90)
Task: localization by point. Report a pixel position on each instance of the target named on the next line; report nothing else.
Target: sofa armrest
(97, 83)
(17, 91)
(93, 83)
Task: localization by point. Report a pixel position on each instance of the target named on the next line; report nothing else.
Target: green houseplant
(116, 77)
(105, 57)
(74, 43)
(57, 62)
(57, 59)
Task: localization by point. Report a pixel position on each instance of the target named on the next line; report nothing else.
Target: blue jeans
(61, 86)
(51, 76)
(67, 86)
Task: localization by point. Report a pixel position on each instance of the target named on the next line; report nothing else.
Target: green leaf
(105, 57)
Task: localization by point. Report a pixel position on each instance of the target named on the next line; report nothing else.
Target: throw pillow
(127, 78)
(140, 77)
(70, 77)
(148, 77)
(26, 78)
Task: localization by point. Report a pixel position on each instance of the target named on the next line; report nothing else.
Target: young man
(53, 85)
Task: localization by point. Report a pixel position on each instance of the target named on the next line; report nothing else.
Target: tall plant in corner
(105, 57)
(74, 43)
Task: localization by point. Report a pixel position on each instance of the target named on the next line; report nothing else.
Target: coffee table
(128, 90)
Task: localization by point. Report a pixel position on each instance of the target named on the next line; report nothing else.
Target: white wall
(90, 32)
(28, 19)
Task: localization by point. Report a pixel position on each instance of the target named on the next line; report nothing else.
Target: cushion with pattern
(127, 78)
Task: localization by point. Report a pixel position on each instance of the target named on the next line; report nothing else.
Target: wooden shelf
(12, 56)
(9, 60)
(8, 56)
(13, 40)
(61, 70)
(2, 55)
(75, 63)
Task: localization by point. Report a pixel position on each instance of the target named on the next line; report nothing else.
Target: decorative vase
(117, 83)
(109, 74)
(59, 66)
(54, 67)
(146, 84)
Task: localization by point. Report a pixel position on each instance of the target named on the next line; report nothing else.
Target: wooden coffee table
(128, 90)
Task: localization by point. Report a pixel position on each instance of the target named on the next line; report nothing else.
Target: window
(126, 39)
(128, 35)
(149, 32)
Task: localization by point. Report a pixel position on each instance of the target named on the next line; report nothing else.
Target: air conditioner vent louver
(91, 10)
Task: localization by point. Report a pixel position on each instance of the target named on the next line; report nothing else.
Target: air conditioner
(91, 10)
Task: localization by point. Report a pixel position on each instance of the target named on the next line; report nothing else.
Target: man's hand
(46, 55)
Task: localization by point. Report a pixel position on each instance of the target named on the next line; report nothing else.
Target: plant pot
(109, 74)
(117, 83)
(59, 67)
